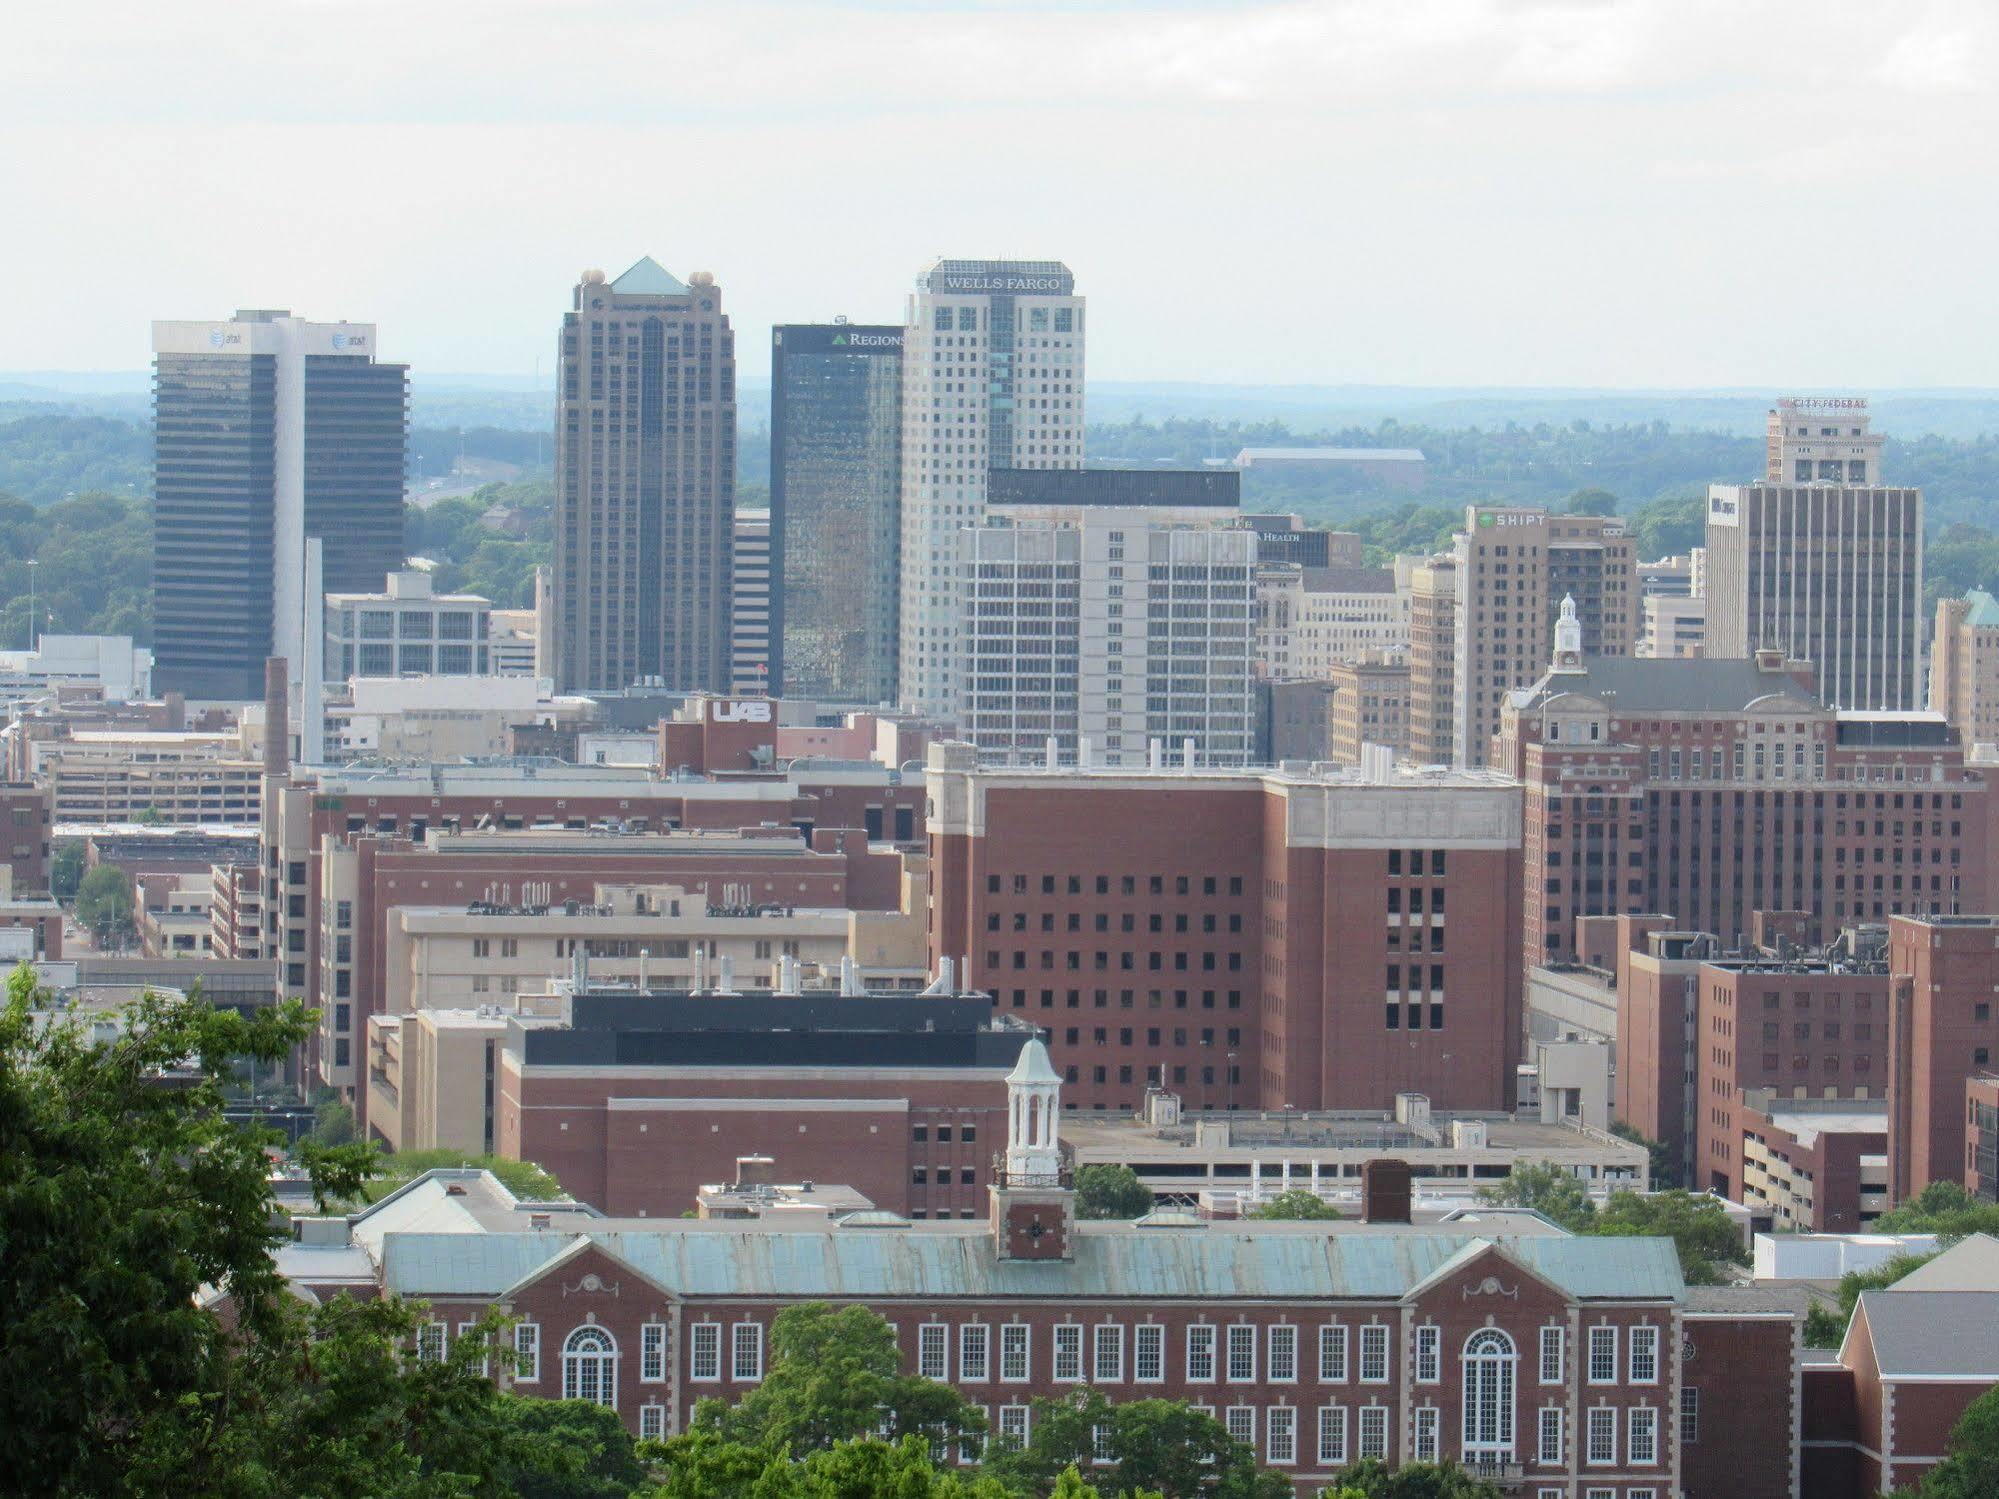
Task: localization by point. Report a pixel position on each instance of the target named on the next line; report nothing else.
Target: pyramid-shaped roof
(648, 278)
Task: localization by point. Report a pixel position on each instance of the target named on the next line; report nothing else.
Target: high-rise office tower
(1514, 569)
(1110, 609)
(1433, 646)
(268, 430)
(1821, 560)
(835, 489)
(645, 483)
(751, 643)
(992, 378)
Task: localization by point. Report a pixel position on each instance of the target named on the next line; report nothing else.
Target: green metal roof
(648, 278)
(1132, 1262)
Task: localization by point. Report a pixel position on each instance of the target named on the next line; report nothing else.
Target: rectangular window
(933, 1351)
(1373, 1431)
(1283, 1366)
(1603, 1355)
(1013, 1425)
(1242, 1354)
(1280, 1438)
(1548, 1451)
(652, 1353)
(1068, 1354)
(1644, 1355)
(1551, 1355)
(1332, 1354)
(974, 1352)
(1429, 1355)
(1101, 1449)
(1374, 1354)
(1110, 1354)
(652, 1423)
(1426, 1434)
(1200, 1354)
(1013, 1353)
(705, 1351)
(1332, 1436)
(527, 1352)
(1612, 1493)
(1642, 1440)
(1149, 1354)
(747, 1362)
(430, 1343)
(1241, 1422)
(1602, 1450)
(1690, 1416)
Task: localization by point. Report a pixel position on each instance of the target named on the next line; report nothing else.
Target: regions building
(1265, 939)
(269, 431)
(1821, 560)
(992, 378)
(1103, 610)
(835, 488)
(645, 483)
(1575, 1366)
(1708, 790)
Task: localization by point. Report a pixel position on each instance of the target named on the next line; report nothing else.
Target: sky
(1619, 193)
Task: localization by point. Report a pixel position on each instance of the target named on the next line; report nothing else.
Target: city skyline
(1326, 162)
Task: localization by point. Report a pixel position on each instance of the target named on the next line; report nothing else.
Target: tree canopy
(1710, 1249)
(1296, 1204)
(1157, 1446)
(1971, 1471)
(1111, 1192)
(1942, 1208)
(1826, 1329)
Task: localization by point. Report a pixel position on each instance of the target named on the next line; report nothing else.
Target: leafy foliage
(104, 900)
(1295, 1204)
(1159, 1446)
(1665, 1170)
(93, 572)
(1942, 1208)
(704, 1464)
(1710, 1249)
(522, 1178)
(836, 1375)
(1111, 1192)
(66, 869)
(1373, 1479)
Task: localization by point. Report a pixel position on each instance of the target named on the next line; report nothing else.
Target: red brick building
(1712, 789)
(1809, 1028)
(1914, 1357)
(1943, 1033)
(1559, 1366)
(639, 1100)
(27, 814)
(1250, 939)
(1981, 1149)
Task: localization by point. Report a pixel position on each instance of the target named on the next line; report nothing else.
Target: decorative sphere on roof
(593, 277)
(701, 278)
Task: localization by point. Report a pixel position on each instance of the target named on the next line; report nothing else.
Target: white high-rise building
(1106, 628)
(749, 605)
(992, 378)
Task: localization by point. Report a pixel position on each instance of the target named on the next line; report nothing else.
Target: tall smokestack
(277, 716)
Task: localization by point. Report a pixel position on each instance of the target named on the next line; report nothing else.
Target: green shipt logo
(1486, 518)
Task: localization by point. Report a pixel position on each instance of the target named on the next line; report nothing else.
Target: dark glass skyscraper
(267, 430)
(835, 489)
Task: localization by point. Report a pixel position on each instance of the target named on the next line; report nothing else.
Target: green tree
(702, 1464)
(1295, 1204)
(1550, 1190)
(1710, 1247)
(1942, 1208)
(1971, 1471)
(1373, 1479)
(333, 1122)
(104, 900)
(836, 1375)
(568, 1449)
(1111, 1192)
(1162, 1446)
(66, 869)
(122, 1199)
(1590, 502)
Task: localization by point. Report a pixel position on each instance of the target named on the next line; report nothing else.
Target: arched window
(590, 1366)
(1490, 1361)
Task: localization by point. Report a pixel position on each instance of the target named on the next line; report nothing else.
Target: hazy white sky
(1588, 192)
